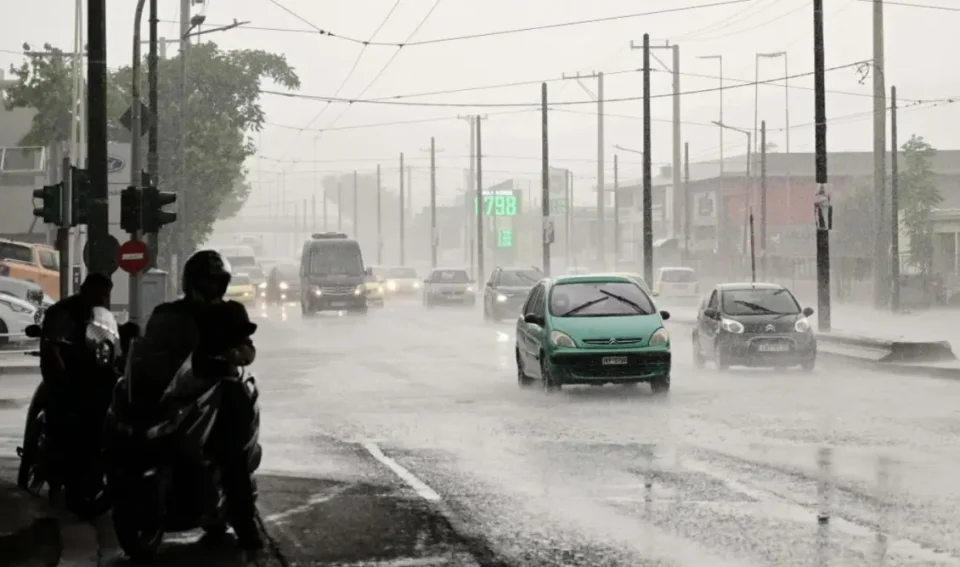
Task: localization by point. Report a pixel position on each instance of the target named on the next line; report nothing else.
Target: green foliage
(854, 223)
(223, 107)
(919, 196)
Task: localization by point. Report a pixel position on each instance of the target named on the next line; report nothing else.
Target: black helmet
(207, 274)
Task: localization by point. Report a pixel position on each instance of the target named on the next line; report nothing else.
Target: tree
(919, 197)
(223, 91)
(853, 223)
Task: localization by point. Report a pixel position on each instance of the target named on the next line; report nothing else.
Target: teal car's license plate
(611, 360)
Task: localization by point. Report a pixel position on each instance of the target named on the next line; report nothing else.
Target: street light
(748, 202)
(786, 104)
(719, 59)
(623, 149)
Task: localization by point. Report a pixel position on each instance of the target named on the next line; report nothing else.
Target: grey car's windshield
(520, 278)
(758, 302)
(599, 299)
(450, 276)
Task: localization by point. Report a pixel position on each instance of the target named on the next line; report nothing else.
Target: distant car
(449, 286)
(403, 280)
(506, 290)
(754, 324)
(677, 284)
(592, 329)
(637, 278)
(375, 291)
(23, 289)
(241, 289)
(257, 277)
(283, 284)
(15, 315)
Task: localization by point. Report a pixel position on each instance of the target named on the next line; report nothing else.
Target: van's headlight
(731, 326)
(360, 289)
(283, 285)
(802, 325)
(562, 340)
(317, 292)
(660, 337)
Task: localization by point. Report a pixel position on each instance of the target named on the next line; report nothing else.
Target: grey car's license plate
(611, 360)
(338, 304)
(773, 348)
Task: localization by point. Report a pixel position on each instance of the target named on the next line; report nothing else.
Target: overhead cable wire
(536, 104)
(722, 21)
(913, 5)
(751, 28)
(664, 11)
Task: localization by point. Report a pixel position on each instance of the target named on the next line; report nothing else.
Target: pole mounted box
(154, 217)
(131, 210)
(50, 211)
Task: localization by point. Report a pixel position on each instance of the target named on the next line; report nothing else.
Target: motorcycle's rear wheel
(138, 525)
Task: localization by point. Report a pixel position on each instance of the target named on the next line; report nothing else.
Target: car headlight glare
(731, 326)
(660, 337)
(263, 285)
(391, 285)
(469, 289)
(360, 289)
(802, 325)
(416, 285)
(501, 298)
(317, 292)
(561, 339)
(283, 285)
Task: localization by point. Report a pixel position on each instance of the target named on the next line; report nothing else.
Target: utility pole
(879, 156)
(339, 203)
(568, 217)
(326, 217)
(894, 206)
(480, 203)
(616, 211)
(313, 213)
(98, 227)
(824, 211)
(471, 182)
(403, 243)
(153, 140)
(433, 203)
(356, 208)
(686, 207)
(647, 165)
(182, 131)
(763, 199)
(677, 154)
(63, 230)
(546, 233)
(379, 218)
(601, 189)
(136, 136)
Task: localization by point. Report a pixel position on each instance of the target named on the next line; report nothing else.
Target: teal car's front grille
(614, 342)
(591, 365)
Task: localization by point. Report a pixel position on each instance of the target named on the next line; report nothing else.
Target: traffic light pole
(96, 121)
(63, 231)
(136, 168)
(153, 142)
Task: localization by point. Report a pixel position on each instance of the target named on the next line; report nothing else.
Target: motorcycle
(71, 464)
(162, 476)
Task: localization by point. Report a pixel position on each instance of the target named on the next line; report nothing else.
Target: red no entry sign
(132, 256)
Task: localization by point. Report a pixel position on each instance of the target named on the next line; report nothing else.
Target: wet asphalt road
(404, 434)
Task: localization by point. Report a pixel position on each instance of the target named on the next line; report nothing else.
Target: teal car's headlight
(660, 337)
(561, 339)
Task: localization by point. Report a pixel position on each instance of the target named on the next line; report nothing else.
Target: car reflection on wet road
(729, 469)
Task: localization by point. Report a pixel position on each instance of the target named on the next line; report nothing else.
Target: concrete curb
(832, 348)
(19, 370)
(39, 542)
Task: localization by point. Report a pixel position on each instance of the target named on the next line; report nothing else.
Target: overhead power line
(328, 33)
(912, 5)
(537, 105)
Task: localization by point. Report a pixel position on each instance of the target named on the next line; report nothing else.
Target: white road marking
(314, 500)
(408, 477)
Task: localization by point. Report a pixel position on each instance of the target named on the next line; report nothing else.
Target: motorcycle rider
(224, 347)
(74, 384)
(172, 332)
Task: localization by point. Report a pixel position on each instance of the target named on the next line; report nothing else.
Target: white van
(677, 283)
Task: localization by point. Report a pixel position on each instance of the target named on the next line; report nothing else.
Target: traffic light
(130, 210)
(154, 217)
(79, 197)
(50, 212)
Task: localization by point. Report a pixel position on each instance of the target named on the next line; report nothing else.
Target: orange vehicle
(36, 263)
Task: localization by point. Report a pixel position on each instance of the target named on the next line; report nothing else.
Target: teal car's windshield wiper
(622, 299)
(583, 306)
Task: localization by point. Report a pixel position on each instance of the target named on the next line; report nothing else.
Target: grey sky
(916, 38)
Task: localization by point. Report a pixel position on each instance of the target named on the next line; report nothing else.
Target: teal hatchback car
(592, 329)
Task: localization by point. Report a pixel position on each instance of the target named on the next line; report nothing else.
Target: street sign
(133, 256)
(145, 119)
(102, 249)
(548, 233)
(558, 206)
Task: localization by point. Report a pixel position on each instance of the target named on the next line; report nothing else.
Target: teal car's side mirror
(665, 315)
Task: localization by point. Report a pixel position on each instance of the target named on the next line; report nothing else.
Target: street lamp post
(748, 201)
(434, 237)
(786, 129)
(719, 59)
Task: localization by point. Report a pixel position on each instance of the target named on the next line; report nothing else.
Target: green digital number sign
(505, 238)
(499, 205)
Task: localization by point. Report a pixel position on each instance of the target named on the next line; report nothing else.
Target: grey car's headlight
(284, 285)
(469, 289)
(316, 291)
(731, 326)
(263, 285)
(361, 288)
(802, 325)
(501, 298)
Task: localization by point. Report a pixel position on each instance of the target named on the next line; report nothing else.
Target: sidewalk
(18, 363)
(29, 529)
